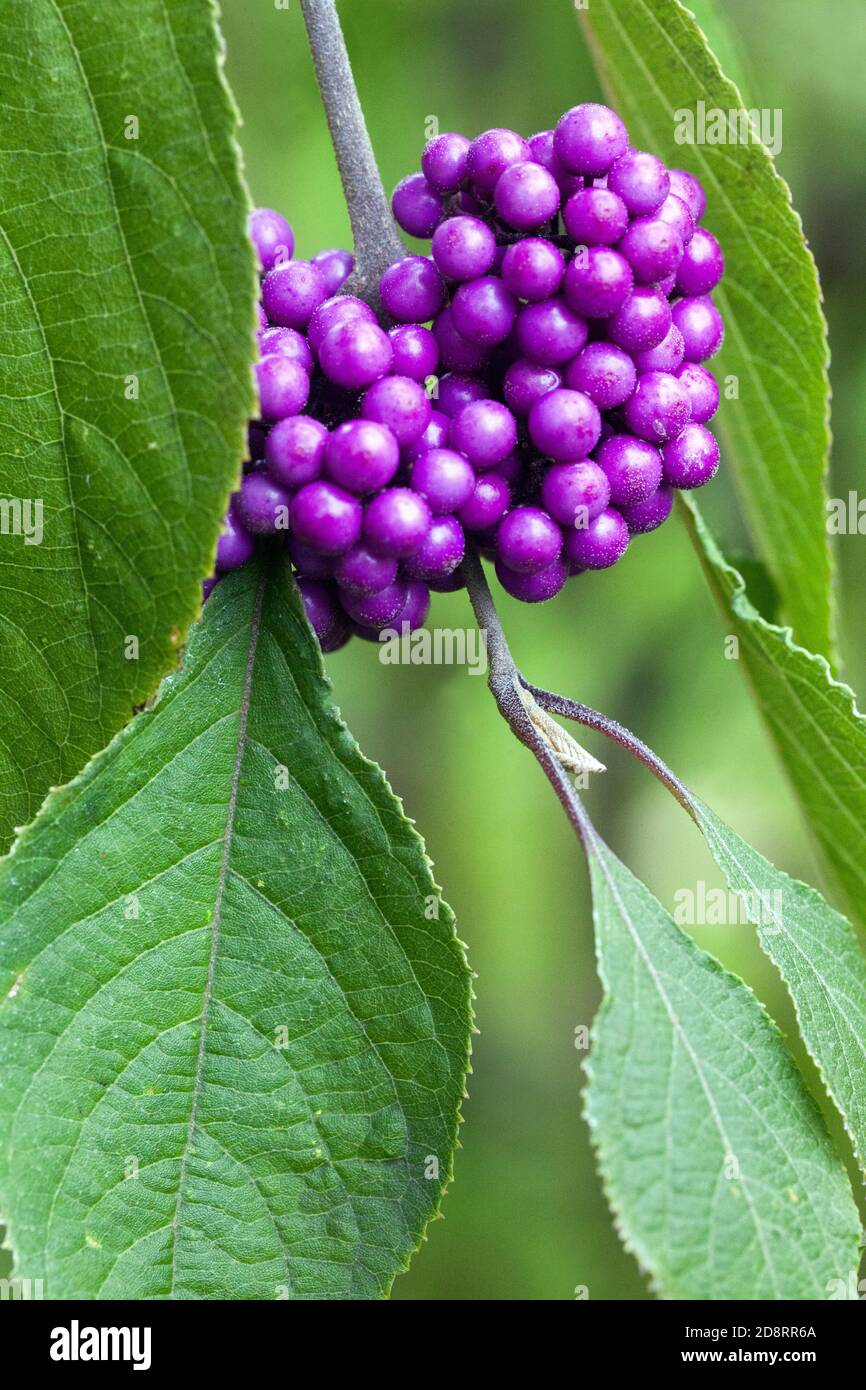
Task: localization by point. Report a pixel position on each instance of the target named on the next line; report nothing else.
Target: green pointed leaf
(716, 1161)
(813, 718)
(127, 285)
(235, 1016)
(655, 62)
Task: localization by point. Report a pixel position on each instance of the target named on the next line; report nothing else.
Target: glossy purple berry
(294, 450)
(526, 196)
(677, 215)
(362, 456)
(363, 571)
(564, 425)
(488, 503)
(633, 468)
(525, 381)
(435, 436)
(396, 521)
(643, 320)
(597, 282)
(416, 352)
(457, 389)
(653, 249)
(702, 265)
(290, 293)
(326, 518)
(533, 268)
(262, 505)
(658, 408)
(444, 478)
(414, 612)
(335, 266)
(445, 160)
(595, 217)
(702, 390)
(604, 372)
(326, 616)
(235, 545)
(528, 539)
(375, 610)
(485, 431)
(589, 138)
(641, 517)
(641, 180)
(484, 310)
(692, 458)
(401, 404)
(463, 248)
(355, 354)
(286, 342)
(340, 308)
(440, 552)
(411, 290)
(690, 189)
(457, 354)
(598, 545)
(666, 356)
(575, 493)
(417, 207)
(283, 385)
(272, 237)
(550, 333)
(544, 584)
(490, 154)
(702, 327)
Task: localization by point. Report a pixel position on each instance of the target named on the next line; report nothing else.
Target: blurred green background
(525, 1218)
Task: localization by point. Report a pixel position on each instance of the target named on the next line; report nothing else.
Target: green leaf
(235, 1016)
(813, 718)
(818, 956)
(655, 62)
(716, 1161)
(128, 285)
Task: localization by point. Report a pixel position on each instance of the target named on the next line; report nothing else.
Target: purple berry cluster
(559, 324)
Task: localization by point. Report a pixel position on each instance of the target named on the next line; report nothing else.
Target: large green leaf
(127, 286)
(655, 62)
(226, 971)
(716, 1161)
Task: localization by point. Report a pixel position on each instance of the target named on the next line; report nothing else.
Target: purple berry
(376, 610)
(284, 386)
(416, 353)
(525, 382)
(440, 552)
(235, 545)
(290, 293)
(652, 247)
(666, 356)
(692, 458)
(485, 431)
(589, 138)
(355, 354)
(272, 237)
(632, 467)
(550, 333)
(642, 322)
(604, 372)
(310, 563)
(598, 545)
(414, 612)
(435, 436)
(361, 455)
(702, 265)
(294, 450)
(641, 180)
(487, 504)
(463, 248)
(412, 290)
(484, 311)
(526, 196)
(340, 308)
(286, 342)
(417, 207)
(658, 409)
(490, 154)
(444, 478)
(533, 268)
(597, 282)
(363, 571)
(326, 518)
(575, 493)
(335, 267)
(676, 213)
(702, 327)
(544, 584)
(457, 353)
(702, 390)
(456, 390)
(444, 162)
(396, 521)
(528, 540)
(401, 404)
(262, 505)
(684, 185)
(326, 617)
(595, 217)
(641, 517)
(564, 425)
